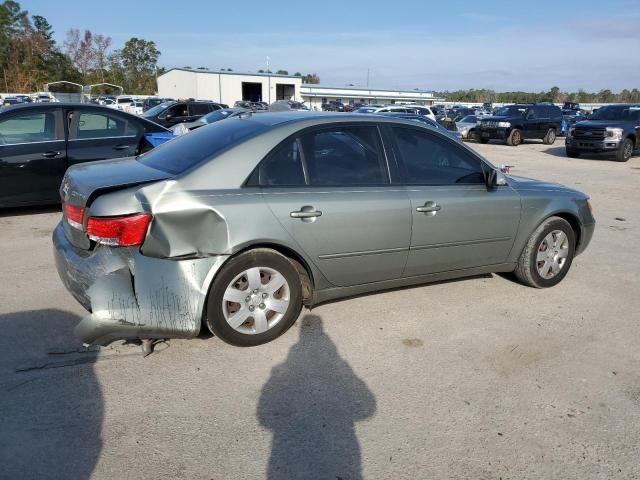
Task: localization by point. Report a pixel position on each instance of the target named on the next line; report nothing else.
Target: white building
(315, 95)
(228, 87)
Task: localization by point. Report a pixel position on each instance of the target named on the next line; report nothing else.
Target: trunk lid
(83, 183)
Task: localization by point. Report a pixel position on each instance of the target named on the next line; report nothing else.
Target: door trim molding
(458, 244)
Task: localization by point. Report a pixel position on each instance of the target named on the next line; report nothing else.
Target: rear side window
(345, 156)
(199, 109)
(427, 159)
(103, 125)
(186, 151)
(27, 128)
(283, 167)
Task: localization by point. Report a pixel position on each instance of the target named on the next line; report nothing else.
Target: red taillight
(119, 231)
(75, 215)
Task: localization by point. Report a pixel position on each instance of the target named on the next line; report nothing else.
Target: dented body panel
(129, 295)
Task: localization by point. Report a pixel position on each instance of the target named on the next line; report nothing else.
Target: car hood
(525, 183)
(465, 124)
(604, 123)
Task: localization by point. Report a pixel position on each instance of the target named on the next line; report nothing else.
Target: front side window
(28, 128)
(345, 156)
(103, 125)
(427, 159)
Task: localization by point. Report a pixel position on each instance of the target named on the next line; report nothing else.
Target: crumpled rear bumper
(129, 295)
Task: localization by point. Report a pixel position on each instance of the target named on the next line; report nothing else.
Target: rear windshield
(181, 153)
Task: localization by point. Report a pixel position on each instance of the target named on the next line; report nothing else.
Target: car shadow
(51, 405)
(561, 152)
(311, 403)
(20, 211)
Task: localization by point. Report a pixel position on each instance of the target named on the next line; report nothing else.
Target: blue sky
(504, 45)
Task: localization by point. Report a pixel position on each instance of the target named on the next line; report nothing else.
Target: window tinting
(101, 125)
(199, 109)
(26, 128)
(283, 167)
(429, 160)
(186, 151)
(345, 156)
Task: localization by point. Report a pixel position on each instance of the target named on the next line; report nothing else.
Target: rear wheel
(550, 137)
(515, 138)
(625, 151)
(547, 256)
(255, 298)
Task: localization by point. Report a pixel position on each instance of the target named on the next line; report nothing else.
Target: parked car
(386, 109)
(215, 116)
(424, 120)
(352, 107)
(122, 102)
(333, 106)
(24, 99)
(237, 225)
(136, 108)
(168, 114)
(149, 103)
(515, 123)
(38, 141)
(8, 101)
(467, 126)
(43, 98)
(613, 129)
(284, 105)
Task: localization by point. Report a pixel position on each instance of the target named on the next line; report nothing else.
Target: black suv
(515, 123)
(168, 114)
(613, 129)
(333, 106)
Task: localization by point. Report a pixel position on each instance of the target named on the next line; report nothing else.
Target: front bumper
(129, 295)
(581, 145)
(493, 133)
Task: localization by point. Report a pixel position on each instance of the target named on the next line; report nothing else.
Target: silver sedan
(238, 225)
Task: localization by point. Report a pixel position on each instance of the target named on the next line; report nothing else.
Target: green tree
(282, 72)
(311, 78)
(139, 59)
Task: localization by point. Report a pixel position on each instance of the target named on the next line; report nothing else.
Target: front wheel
(547, 256)
(484, 140)
(550, 137)
(255, 298)
(625, 151)
(515, 138)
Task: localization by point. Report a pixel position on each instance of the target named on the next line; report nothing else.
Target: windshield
(186, 151)
(157, 110)
(125, 100)
(215, 116)
(616, 112)
(469, 119)
(510, 111)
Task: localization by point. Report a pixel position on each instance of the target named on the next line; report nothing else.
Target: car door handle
(306, 212)
(429, 207)
(50, 154)
(121, 147)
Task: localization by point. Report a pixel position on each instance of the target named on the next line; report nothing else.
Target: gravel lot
(481, 378)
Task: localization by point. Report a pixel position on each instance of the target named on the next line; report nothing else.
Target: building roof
(224, 72)
(366, 89)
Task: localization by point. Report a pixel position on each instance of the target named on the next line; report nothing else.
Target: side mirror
(168, 117)
(492, 179)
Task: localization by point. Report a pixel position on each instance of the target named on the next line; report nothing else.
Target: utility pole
(269, 79)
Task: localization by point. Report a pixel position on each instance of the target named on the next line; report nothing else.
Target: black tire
(515, 137)
(471, 135)
(550, 137)
(572, 153)
(527, 268)
(264, 258)
(625, 151)
(484, 140)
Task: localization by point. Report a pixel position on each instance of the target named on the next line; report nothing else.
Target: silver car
(238, 225)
